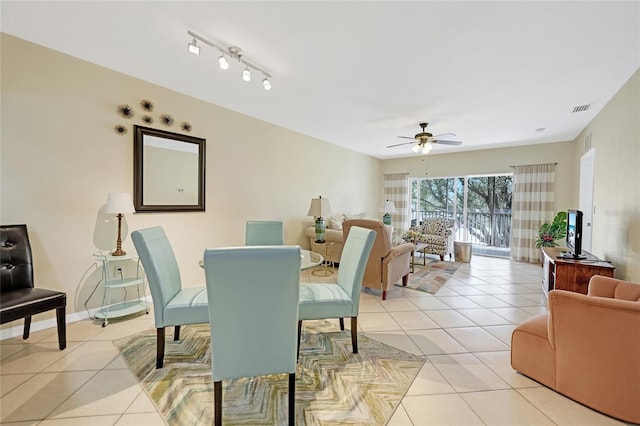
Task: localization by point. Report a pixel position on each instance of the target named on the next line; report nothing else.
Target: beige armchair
(387, 264)
(587, 347)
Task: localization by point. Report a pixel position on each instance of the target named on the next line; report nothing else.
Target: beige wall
(60, 157)
(615, 137)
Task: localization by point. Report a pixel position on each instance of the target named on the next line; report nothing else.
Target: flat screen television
(574, 235)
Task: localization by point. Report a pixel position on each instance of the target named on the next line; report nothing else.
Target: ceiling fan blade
(403, 143)
(444, 134)
(444, 142)
(407, 137)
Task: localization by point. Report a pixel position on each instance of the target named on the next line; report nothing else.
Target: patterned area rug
(432, 277)
(333, 386)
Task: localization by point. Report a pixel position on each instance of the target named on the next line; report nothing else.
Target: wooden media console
(568, 274)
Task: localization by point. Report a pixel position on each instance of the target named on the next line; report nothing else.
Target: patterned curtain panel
(396, 189)
(532, 205)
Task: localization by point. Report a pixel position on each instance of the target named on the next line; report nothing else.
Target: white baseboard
(17, 330)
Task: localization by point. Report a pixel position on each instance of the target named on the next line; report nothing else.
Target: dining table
(308, 259)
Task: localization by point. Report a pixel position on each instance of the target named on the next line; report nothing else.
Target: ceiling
(360, 73)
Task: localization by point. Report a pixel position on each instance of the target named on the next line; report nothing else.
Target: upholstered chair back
(16, 269)
(617, 289)
(160, 266)
(253, 309)
(353, 263)
(264, 233)
(436, 226)
(381, 247)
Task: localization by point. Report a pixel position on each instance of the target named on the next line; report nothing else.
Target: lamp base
(118, 252)
(386, 219)
(320, 229)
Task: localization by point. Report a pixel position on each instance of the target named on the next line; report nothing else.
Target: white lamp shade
(388, 207)
(319, 207)
(119, 202)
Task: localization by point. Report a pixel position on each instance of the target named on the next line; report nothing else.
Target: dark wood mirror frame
(144, 204)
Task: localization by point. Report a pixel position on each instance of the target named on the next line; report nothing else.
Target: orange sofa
(587, 347)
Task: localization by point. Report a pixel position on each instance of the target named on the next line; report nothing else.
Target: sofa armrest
(398, 251)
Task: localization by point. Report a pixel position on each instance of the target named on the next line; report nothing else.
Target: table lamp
(119, 203)
(319, 207)
(388, 208)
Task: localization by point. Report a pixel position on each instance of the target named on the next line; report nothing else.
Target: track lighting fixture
(194, 48)
(223, 62)
(233, 52)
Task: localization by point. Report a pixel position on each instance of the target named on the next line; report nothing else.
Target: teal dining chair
(172, 304)
(253, 311)
(264, 233)
(342, 298)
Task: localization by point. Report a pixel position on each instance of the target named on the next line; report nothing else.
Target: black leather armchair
(18, 297)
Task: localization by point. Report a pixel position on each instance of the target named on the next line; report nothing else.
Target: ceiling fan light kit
(232, 52)
(424, 141)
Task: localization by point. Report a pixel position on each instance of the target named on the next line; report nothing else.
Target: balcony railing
(489, 229)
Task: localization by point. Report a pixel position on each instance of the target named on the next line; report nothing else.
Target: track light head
(194, 48)
(222, 61)
(266, 84)
(246, 74)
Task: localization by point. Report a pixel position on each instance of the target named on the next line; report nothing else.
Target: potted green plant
(550, 232)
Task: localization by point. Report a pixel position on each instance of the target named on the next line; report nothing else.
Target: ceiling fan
(424, 140)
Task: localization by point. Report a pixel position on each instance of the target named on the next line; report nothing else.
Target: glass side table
(324, 248)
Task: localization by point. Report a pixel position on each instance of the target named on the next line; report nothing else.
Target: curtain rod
(555, 164)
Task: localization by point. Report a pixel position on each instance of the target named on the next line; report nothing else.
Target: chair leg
(341, 324)
(160, 347)
(354, 334)
(62, 327)
(442, 258)
(176, 333)
(292, 399)
(217, 403)
(299, 333)
(27, 327)
(384, 294)
(405, 280)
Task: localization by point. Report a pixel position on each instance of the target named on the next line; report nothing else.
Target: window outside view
(480, 205)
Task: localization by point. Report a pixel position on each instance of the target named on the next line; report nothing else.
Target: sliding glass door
(481, 206)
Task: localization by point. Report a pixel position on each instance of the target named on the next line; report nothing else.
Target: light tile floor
(463, 332)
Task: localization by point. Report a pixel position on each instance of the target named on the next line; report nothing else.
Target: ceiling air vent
(581, 108)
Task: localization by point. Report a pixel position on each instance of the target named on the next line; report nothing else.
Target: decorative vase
(320, 229)
(386, 219)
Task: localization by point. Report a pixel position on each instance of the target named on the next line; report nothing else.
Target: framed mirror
(168, 171)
